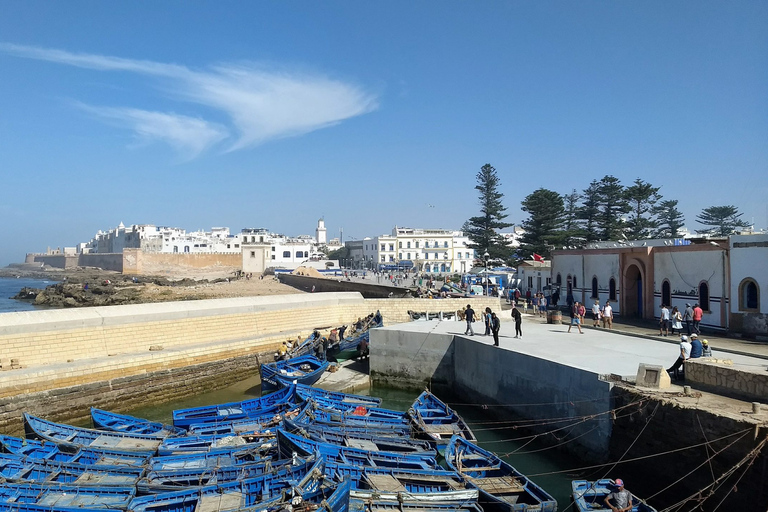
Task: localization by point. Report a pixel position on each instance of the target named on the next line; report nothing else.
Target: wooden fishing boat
(360, 439)
(33, 449)
(357, 505)
(67, 496)
(17, 470)
(176, 479)
(348, 347)
(114, 422)
(291, 443)
(207, 460)
(501, 486)
(590, 495)
(235, 495)
(77, 437)
(402, 485)
(270, 404)
(244, 426)
(435, 421)
(310, 392)
(362, 417)
(219, 442)
(302, 370)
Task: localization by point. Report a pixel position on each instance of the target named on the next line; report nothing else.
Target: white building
(428, 250)
(723, 276)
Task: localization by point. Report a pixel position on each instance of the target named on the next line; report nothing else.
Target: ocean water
(10, 286)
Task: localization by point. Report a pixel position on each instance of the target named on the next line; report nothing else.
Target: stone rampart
(136, 261)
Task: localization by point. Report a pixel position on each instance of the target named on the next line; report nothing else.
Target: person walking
(608, 315)
(518, 318)
(688, 317)
(495, 328)
(470, 317)
(542, 305)
(698, 313)
(677, 321)
(488, 321)
(575, 318)
(596, 314)
(664, 321)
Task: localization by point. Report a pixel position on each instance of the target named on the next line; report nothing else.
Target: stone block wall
(737, 382)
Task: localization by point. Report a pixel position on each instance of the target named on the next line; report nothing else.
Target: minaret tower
(320, 233)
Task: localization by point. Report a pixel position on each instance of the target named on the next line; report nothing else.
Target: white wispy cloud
(190, 136)
(261, 104)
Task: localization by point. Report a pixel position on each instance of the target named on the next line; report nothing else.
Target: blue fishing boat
(38, 450)
(270, 404)
(354, 421)
(302, 370)
(114, 422)
(245, 426)
(67, 496)
(501, 486)
(434, 420)
(77, 437)
(291, 443)
(404, 485)
(207, 460)
(360, 439)
(176, 479)
(590, 495)
(18, 470)
(219, 442)
(235, 495)
(311, 393)
(357, 505)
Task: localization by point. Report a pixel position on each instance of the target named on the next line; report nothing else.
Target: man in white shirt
(685, 354)
(664, 321)
(607, 315)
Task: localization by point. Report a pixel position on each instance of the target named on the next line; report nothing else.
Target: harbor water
(547, 467)
(10, 286)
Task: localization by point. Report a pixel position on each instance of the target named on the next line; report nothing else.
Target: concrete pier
(547, 373)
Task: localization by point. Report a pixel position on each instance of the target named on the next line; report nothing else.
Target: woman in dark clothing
(518, 318)
(495, 328)
(487, 319)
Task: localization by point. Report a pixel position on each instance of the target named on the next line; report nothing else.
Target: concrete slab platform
(351, 377)
(597, 350)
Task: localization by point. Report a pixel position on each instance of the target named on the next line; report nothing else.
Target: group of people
(690, 348)
(673, 320)
(492, 322)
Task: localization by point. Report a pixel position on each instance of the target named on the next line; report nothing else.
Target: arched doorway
(633, 293)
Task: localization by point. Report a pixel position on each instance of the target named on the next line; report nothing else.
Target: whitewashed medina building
(728, 278)
(428, 250)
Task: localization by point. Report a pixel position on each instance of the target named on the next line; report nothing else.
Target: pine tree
(483, 230)
(612, 204)
(723, 220)
(642, 197)
(572, 232)
(669, 219)
(589, 211)
(543, 226)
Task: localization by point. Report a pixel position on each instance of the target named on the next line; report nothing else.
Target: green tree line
(605, 210)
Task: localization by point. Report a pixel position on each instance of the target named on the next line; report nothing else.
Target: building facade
(426, 250)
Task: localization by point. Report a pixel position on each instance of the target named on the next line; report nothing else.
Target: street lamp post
(485, 257)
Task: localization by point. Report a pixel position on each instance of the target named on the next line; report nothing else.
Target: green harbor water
(547, 467)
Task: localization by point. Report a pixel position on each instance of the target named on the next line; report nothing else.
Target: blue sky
(273, 114)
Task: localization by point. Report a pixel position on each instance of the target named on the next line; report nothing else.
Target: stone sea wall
(742, 383)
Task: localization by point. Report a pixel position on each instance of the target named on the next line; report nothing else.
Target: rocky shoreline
(87, 286)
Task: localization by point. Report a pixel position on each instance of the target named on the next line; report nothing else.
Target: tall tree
(613, 204)
(543, 225)
(723, 220)
(669, 219)
(589, 211)
(642, 197)
(572, 233)
(483, 230)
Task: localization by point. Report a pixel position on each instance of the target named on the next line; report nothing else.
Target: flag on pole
(538, 257)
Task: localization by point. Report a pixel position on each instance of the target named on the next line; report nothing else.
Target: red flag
(538, 257)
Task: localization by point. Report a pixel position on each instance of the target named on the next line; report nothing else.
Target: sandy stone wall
(742, 383)
(136, 261)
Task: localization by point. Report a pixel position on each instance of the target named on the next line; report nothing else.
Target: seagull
(430, 205)
(714, 243)
(645, 243)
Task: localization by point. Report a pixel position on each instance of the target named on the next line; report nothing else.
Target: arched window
(749, 295)
(594, 288)
(286, 254)
(559, 279)
(426, 267)
(704, 296)
(612, 289)
(666, 293)
(299, 254)
(574, 283)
